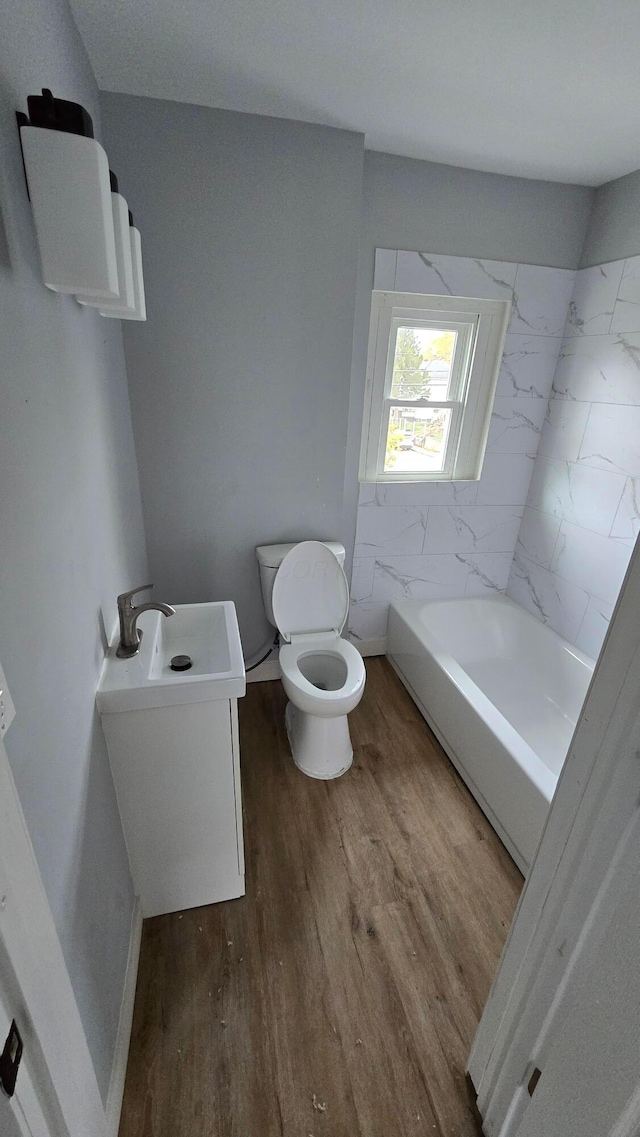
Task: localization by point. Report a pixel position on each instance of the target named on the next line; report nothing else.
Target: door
(556, 1053)
(590, 1081)
(56, 1090)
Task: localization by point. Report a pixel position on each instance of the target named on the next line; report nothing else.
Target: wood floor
(339, 997)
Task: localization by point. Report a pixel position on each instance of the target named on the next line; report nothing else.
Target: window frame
(483, 324)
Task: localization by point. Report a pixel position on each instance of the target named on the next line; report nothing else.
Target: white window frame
(481, 326)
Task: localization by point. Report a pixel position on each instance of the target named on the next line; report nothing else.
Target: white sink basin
(207, 632)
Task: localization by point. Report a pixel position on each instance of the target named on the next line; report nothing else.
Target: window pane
(422, 363)
(417, 439)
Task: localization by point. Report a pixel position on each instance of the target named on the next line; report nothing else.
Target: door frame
(38, 984)
(513, 1015)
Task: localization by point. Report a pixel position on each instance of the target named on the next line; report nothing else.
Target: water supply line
(275, 643)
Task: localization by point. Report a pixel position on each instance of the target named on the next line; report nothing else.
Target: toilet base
(321, 747)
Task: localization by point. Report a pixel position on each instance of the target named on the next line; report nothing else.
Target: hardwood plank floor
(339, 997)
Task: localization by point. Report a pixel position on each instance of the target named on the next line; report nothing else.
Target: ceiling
(540, 88)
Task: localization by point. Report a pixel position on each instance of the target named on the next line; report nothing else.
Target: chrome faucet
(128, 615)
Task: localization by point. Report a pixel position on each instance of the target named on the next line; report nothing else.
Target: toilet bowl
(323, 675)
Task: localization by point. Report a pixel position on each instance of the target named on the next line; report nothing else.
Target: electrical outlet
(7, 709)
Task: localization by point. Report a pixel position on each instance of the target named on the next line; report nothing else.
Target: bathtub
(502, 693)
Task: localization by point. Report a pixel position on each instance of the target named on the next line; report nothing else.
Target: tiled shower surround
(583, 508)
(430, 540)
(573, 459)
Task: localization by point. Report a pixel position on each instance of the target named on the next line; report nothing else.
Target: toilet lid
(310, 592)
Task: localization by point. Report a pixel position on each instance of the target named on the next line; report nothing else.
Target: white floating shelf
(125, 300)
(70, 191)
(139, 310)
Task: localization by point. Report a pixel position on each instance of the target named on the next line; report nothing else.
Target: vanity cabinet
(176, 771)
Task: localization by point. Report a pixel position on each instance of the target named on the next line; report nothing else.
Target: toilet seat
(310, 592)
(305, 694)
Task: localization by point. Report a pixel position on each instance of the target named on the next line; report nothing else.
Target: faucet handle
(125, 597)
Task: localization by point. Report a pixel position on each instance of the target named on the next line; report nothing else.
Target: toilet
(306, 597)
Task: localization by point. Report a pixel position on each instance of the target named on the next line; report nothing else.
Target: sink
(207, 632)
(174, 751)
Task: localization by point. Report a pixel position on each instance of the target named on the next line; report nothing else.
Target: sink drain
(181, 663)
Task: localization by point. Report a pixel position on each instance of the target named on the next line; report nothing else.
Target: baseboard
(472, 1098)
(270, 669)
(119, 1069)
(371, 647)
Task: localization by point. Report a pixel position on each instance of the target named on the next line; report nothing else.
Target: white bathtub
(502, 693)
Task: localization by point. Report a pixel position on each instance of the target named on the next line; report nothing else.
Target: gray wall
(614, 228)
(414, 205)
(72, 538)
(240, 377)
(422, 206)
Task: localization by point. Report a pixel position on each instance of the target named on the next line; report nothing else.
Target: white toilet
(306, 597)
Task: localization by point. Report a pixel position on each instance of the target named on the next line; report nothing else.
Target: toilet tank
(270, 557)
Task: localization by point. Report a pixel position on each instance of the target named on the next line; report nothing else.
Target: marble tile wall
(426, 540)
(582, 514)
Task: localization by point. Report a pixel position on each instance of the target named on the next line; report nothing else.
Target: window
(431, 375)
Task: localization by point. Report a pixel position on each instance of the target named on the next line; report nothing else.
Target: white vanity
(173, 746)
